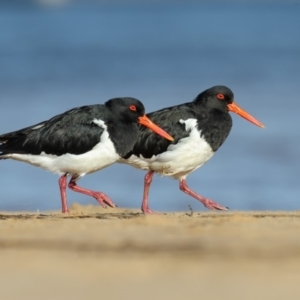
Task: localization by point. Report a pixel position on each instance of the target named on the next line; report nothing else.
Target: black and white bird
(80, 141)
(199, 128)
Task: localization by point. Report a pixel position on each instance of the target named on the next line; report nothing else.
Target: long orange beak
(144, 120)
(236, 109)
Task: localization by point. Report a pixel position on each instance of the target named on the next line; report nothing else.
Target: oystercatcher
(199, 128)
(80, 141)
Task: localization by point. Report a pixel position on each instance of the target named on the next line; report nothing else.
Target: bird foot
(104, 200)
(213, 205)
(148, 211)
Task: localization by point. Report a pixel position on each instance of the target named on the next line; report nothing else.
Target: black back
(211, 113)
(76, 132)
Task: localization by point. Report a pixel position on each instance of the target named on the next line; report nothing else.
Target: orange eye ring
(220, 96)
(132, 107)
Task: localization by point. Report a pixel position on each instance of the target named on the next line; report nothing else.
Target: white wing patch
(100, 123)
(190, 124)
(38, 126)
(181, 159)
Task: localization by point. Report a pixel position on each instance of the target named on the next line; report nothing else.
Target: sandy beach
(95, 253)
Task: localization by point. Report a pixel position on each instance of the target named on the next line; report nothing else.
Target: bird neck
(123, 136)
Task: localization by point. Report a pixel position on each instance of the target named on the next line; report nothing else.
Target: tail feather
(14, 142)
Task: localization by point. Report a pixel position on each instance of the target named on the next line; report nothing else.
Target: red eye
(132, 107)
(220, 96)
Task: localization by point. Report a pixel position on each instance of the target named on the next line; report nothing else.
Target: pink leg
(63, 186)
(147, 181)
(100, 197)
(206, 202)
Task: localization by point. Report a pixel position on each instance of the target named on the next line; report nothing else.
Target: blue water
(53, 58)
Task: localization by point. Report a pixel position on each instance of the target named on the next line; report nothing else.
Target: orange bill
(144, 120)
(239, 111)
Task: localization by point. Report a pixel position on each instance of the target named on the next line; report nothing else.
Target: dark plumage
(199, 128)
(80, 141)
(75, 132)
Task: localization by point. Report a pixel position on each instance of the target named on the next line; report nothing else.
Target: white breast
(102, 155)
(179, 160)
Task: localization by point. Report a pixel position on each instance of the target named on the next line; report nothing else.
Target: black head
(127, 108)
(221, 97)
(131, 110)
(217, 97)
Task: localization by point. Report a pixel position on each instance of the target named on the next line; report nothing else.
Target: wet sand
(95, 253)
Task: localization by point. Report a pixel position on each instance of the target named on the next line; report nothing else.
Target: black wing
(71, 132)
(150, 143)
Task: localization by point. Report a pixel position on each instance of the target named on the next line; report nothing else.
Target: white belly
(101, 156)
(179, 160)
